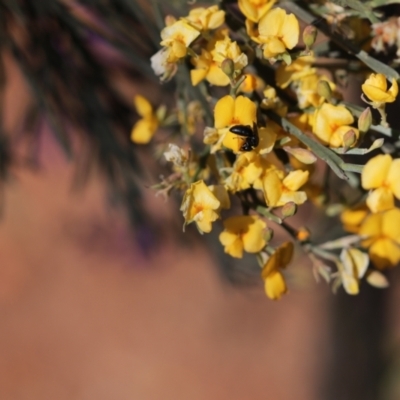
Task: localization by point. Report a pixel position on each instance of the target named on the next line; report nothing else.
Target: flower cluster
(261, 128)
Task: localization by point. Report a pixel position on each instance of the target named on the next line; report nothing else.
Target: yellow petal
(142, 105)
(391, 224)
(197, 75)
(377, 80)
(216, 76)
(275, 285)
(393, 177)
(255, 10)
(204, 220)
(143, 131)
(272, 22)
(216, 19)
(272, 187)
(244, 111)
(179, 31)
(273, 47)
(375, 171)
(353, 218)
(223, 112)
(267, 140)
(290, 31)
(295, 180)
(295, 197)
(372, 225)
(220, 192)
(384, 253)
(253, 239)
(394, 90)
(380, 199)
(203, 195)
(232, 247)
(355, 262)
(350, 283)
(377, 95)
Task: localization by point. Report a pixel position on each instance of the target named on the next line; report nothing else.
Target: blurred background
(101, 294)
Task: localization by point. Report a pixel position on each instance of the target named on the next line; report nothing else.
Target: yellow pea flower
(382, 174)
(331, 123)
(298, 69)
(204, 19)
(177, 37)
(208, 63)
(254, 10)
(200, 205)
(224, 49)
(375, 88)
(306, 90)
(353, 266)
(278, 191)
(383, 237)
(243, 233)
(227, 113)
(207, 68)
(144, 129)
(278, 31)
(274, 282)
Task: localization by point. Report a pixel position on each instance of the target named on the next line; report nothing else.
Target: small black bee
(251, 135)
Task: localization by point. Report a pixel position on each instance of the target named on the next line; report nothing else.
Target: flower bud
(365, 120)
(289, 209)
(268, 235)
(349, 138)
(324, 90)
(303, 234)
(228, 67)
(303, 155)
(309, 35)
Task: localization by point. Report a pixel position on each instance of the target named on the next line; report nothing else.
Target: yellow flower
(278, 191)
(178, 36)
(306, 90)
(382, 174)
(144, 129)
(247, 168)
(224, 49)
(278, 32)
(298, 69)
(243, 233)
(199, 205)
(383, 237)
(204, 19)
(207, 68)
(274, 282)
(331, 123)
(375, 88)
(227, 113)
(208, 63)
(353, 266)
(254, 10)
